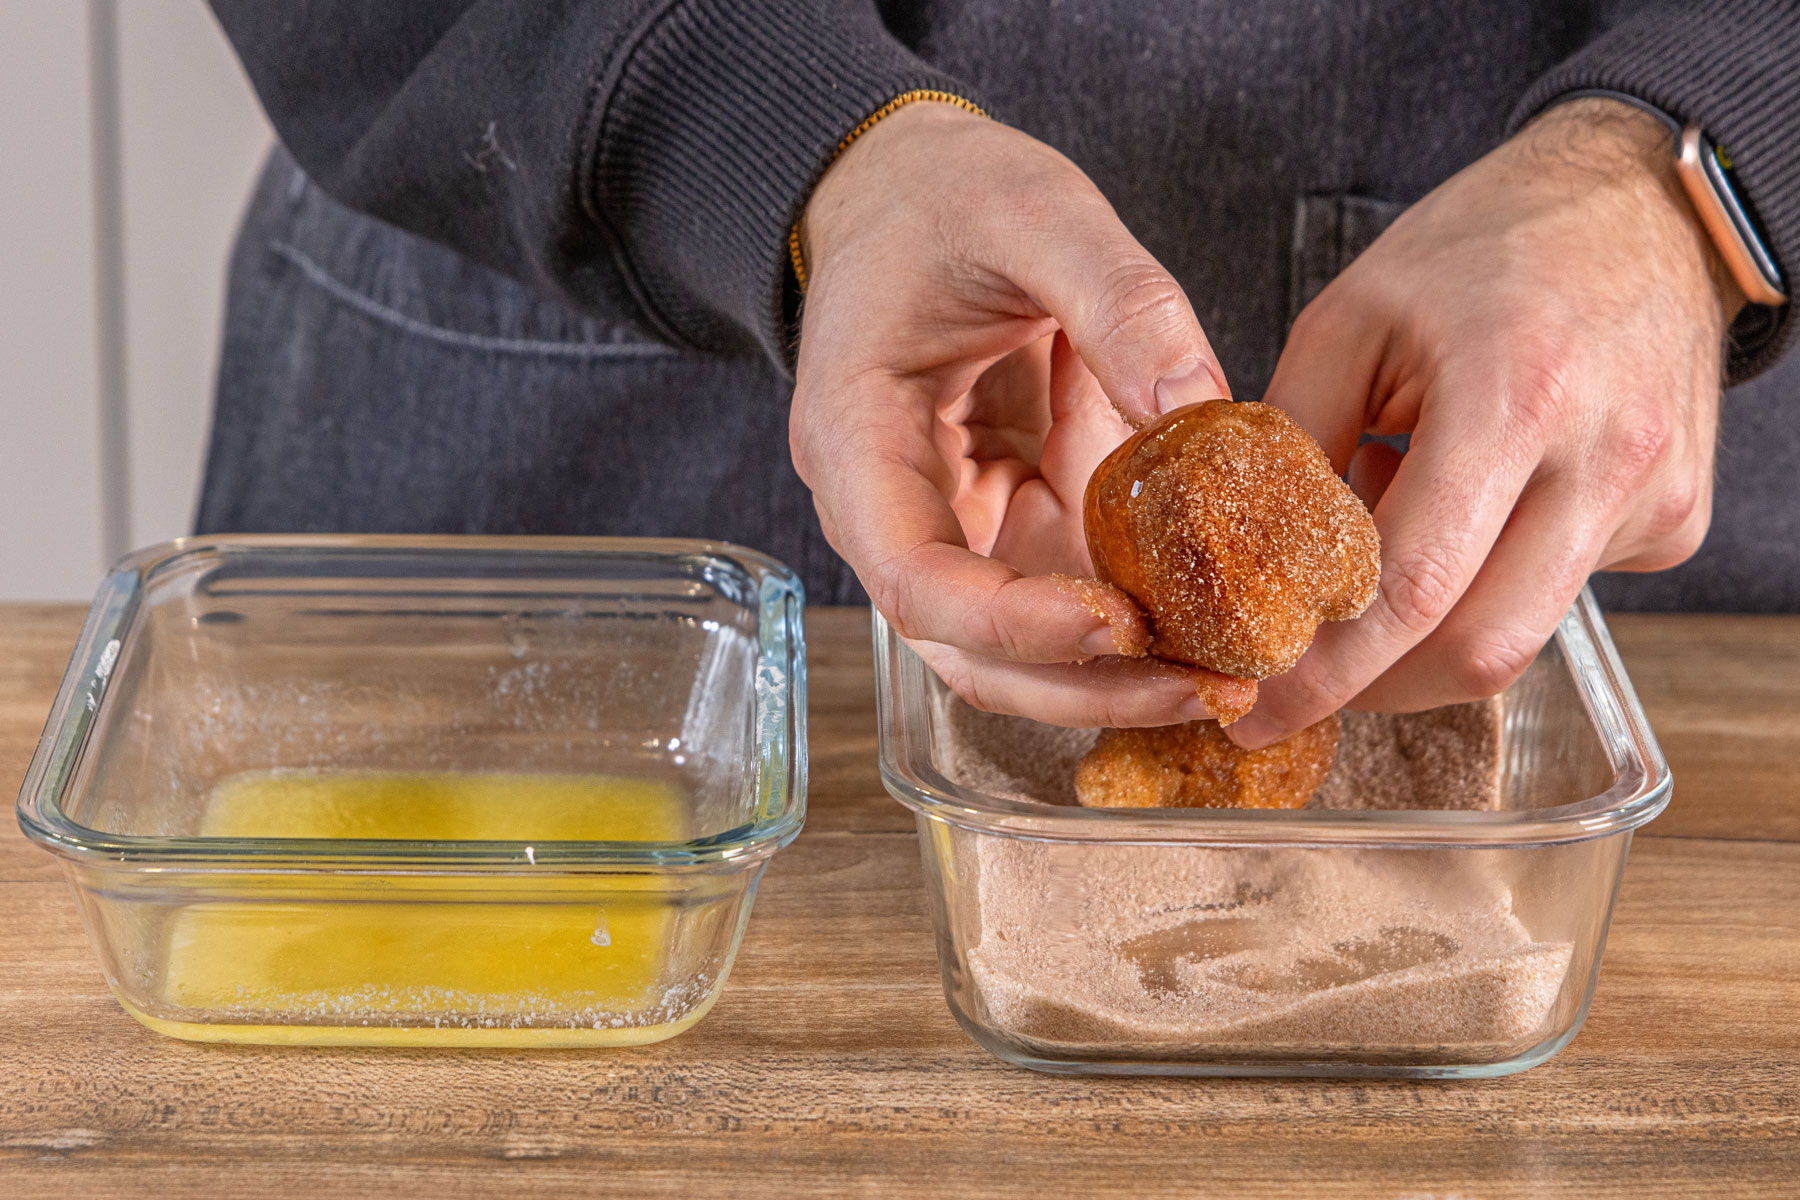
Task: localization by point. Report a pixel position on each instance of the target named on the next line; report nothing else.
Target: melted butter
(472, 959)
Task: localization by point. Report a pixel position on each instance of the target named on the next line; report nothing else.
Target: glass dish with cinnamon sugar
(1438, 910)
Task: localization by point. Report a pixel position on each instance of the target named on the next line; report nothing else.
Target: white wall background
(131, 142)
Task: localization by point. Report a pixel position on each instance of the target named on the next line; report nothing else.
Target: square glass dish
(1451, 941)
(473, 791)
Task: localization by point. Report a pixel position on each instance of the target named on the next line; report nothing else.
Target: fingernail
(1193, 709)
(1188, 385)
(1100, 641)
(1254, 731)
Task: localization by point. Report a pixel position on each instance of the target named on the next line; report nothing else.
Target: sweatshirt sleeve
(674, 139)
(1733, 66)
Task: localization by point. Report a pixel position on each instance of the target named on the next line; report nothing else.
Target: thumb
(1124, 314)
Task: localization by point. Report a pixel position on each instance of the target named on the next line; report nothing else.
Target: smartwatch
(1704, 169)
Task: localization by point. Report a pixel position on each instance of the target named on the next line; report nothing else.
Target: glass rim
(1640, 788)
(778, 726)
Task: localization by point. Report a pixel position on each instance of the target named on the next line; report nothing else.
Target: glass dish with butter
(425, 790)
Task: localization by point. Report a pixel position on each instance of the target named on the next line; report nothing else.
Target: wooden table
(831, 1066)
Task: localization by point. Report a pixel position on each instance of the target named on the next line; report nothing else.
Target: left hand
(1548, 327)
(979, 326)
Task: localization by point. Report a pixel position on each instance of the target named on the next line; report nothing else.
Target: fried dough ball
(1225, 523)
(1196, 766)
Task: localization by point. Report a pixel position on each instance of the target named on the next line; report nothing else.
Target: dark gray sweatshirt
(636, 165)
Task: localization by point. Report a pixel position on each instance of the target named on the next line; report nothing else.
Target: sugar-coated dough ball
(1225, 523)
(1196, 766)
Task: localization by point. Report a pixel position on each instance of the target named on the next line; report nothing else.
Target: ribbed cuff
(1735, 68)
(709, 139)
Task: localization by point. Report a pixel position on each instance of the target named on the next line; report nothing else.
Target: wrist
(828, 208)
(1629, 148)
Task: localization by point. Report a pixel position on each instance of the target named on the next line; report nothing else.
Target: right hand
(980, 330)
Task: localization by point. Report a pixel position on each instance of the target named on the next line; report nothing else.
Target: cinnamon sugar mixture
(1274, 950)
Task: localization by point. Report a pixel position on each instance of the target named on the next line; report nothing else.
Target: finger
(1372, 470)
(930, 587)
(1006, 413)
(1672, 511)
(1666, 532)
(1665, 552)
(1126, 316)
(1084, 425)
(1109, 693)
(1043, 529)
(1448, 502)
(994, 443)
(881, 494)
(983, 496)
(1537, 568)
(1326, 374)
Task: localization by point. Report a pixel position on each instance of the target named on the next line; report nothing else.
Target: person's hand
(978, 330)
(1547, 325)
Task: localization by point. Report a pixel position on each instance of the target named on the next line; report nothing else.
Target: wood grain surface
(831, 1066)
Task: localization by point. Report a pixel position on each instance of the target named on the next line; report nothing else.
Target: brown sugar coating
(1196, 766)
(1225, 523)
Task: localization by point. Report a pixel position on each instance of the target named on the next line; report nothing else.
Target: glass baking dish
(475, 791)
(1423, 942)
